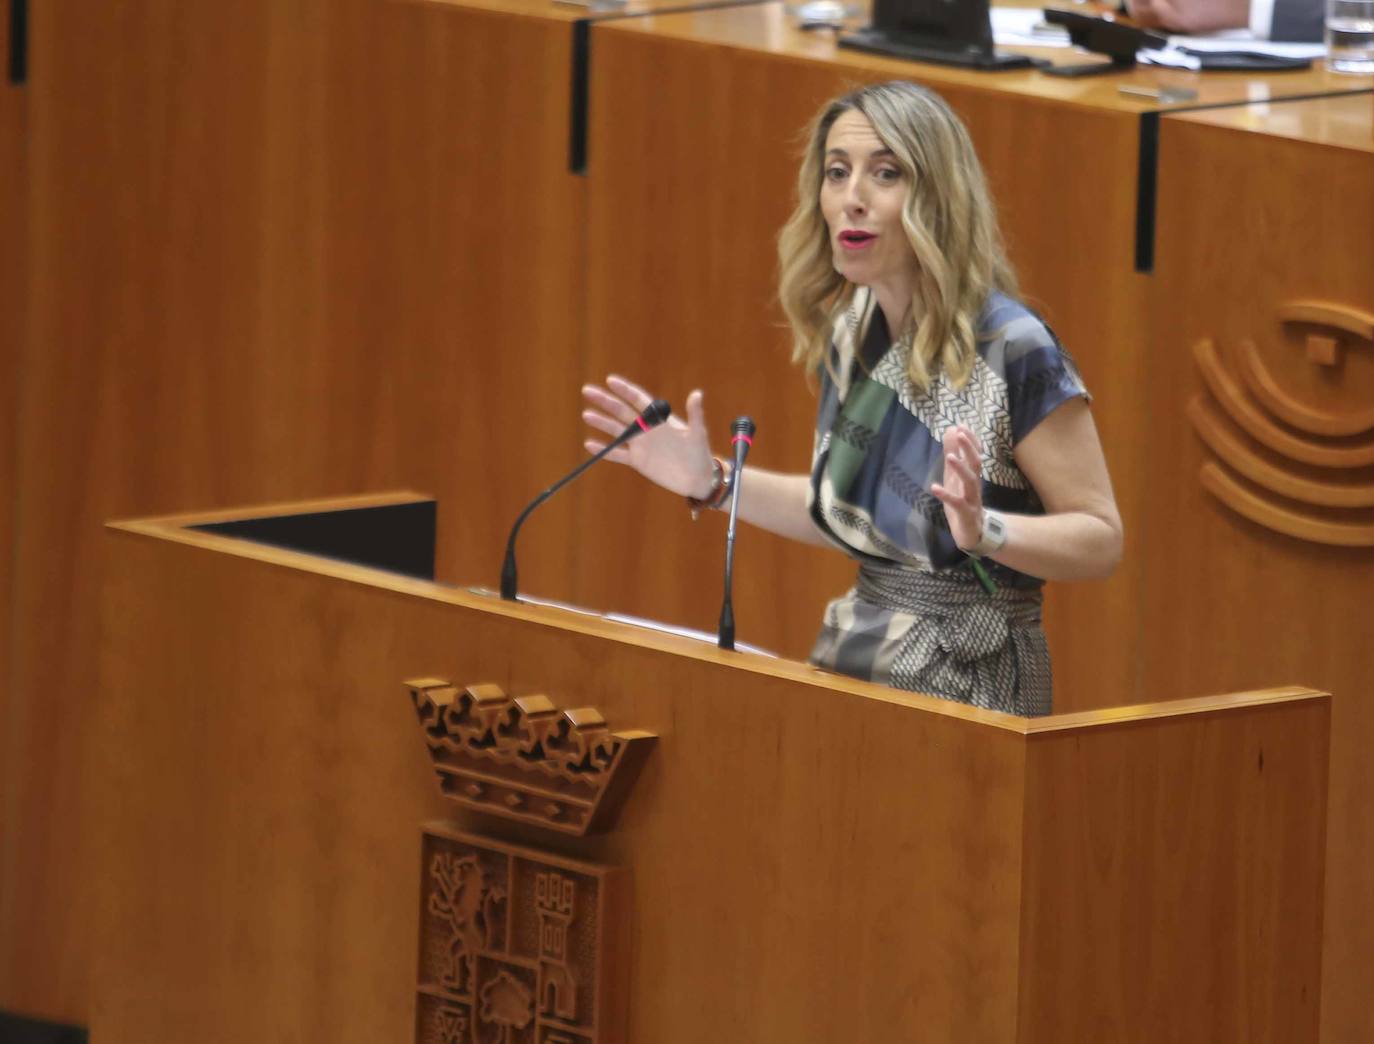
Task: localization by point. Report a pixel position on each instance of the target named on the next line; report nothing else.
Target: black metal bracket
(581, 90)
(19, 41)
(1146, 192)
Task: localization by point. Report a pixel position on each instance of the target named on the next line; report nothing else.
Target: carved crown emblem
(525, 759)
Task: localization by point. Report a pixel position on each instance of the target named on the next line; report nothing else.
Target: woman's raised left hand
(961, 492)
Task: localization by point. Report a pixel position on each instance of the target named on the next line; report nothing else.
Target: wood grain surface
(285, 250)
(1189, 869)
(13, 309)
(1336, 123)
(569, 10)
(275, 250)
(768, 27)
(1260, 219)
(813, 859)
(351, 793)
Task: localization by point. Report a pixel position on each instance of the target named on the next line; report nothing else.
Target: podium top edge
(351, 502)
(180, 529)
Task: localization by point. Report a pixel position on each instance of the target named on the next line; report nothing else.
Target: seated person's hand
(1190, 16)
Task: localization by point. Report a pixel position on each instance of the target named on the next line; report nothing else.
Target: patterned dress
(918, 618)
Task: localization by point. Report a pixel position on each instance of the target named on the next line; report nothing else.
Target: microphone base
(726, 639)
(508, 575)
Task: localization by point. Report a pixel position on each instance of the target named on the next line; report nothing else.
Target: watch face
(994, 531)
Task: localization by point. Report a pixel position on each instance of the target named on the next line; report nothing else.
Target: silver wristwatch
(993, 538)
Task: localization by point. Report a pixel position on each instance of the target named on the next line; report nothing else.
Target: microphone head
(743, 426)
(656, 413)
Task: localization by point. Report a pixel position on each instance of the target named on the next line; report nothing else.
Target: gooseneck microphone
(741, 439)
(652, 416)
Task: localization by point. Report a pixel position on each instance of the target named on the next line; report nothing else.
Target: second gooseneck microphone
(741, 439)
(653, 415)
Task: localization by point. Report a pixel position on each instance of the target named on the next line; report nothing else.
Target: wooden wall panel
(688, 188)
(284, 250)
(1250, 829)
(13, 271)
(277, 249)
(1251, 219)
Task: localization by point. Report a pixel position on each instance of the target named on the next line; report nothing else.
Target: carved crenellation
(554, 897)
(525, 759)
(482, 719)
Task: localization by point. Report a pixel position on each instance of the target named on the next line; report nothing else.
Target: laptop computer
(947, 32)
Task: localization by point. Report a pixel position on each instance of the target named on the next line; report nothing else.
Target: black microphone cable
(652, 416)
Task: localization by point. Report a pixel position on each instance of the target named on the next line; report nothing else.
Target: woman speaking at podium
(954, 456)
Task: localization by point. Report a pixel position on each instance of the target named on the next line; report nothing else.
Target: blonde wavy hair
(949, 219)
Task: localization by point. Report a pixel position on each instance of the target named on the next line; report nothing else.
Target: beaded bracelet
(721, 482)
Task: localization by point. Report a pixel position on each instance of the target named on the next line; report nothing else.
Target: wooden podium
(799, 858)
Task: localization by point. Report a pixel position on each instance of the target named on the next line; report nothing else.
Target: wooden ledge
(178, 529)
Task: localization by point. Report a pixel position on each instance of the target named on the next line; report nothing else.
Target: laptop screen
(956, 25)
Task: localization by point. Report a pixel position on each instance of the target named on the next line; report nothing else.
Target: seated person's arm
(1290, 20)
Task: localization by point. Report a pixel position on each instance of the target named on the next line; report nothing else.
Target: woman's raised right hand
(674, 455)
